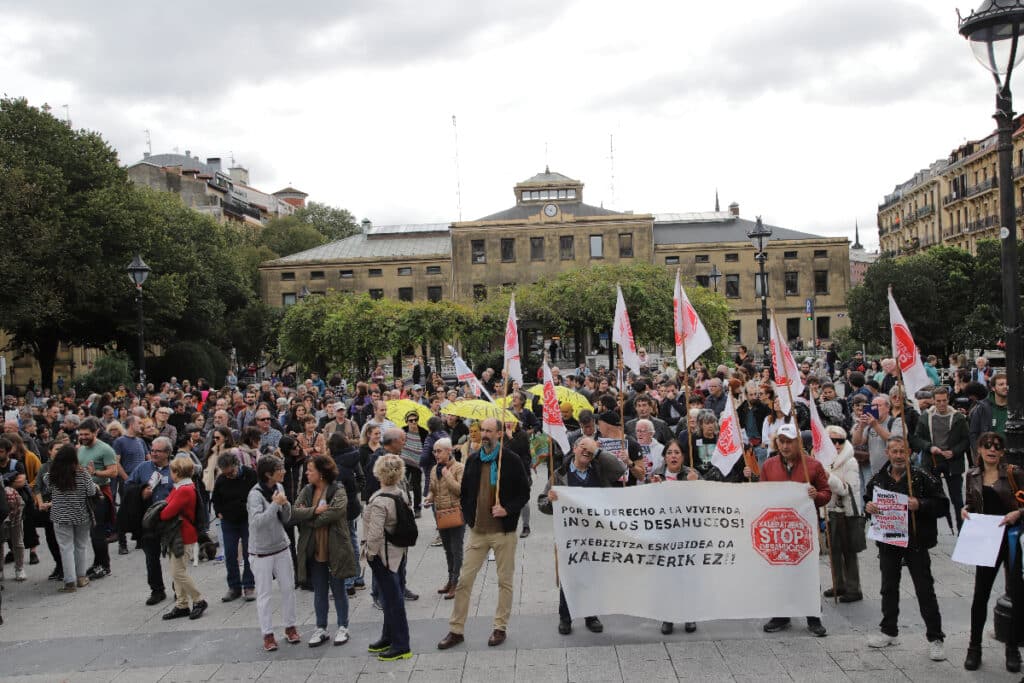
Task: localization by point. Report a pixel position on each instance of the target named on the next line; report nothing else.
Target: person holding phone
(873, 427)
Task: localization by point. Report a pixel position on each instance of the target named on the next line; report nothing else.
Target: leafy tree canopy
(331, 222)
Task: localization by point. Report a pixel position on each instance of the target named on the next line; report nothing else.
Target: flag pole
(551, 485)
(903, 427)
(622, 404)
(686, 404)
(792, 406)
(501, 425)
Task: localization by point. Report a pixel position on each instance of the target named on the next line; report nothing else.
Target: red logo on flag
(727, 441)
(780, 376)
(681, 332)
(691, 316)
(816, 436)
(781, 536)
(511, 338)
(906, 351)
(552, 413)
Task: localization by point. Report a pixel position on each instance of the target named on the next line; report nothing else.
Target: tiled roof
(524, 211)
(682, 229)
(187, 163)
(548, 177)
(362, 247)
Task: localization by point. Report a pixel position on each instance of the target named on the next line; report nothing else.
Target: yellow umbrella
(475, 409)
(565, 395)
(398, 408)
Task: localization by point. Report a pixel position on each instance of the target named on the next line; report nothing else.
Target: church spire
(717, 208)
(856, 236)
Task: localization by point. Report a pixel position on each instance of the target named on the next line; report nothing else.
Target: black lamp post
(303, 293)
(715, 275)
(138, 271)
(993, 31)
(759, 235)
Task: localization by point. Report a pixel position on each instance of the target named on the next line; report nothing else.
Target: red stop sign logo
(781, 536)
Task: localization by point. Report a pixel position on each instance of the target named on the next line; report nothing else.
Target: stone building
(954, 201)
(551, 229)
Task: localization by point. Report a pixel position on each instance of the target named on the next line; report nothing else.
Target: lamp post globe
(759, 235)
(994, 31)
(138, 271)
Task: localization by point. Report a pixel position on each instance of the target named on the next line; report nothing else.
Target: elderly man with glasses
(270, 435)
(153, 477)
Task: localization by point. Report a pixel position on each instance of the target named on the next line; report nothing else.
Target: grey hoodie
(266, 523)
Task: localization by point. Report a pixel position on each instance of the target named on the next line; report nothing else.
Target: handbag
(449, 518)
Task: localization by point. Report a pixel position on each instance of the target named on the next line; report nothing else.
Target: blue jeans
(320, 577)
(358, 579)
(375, 591)
(230, 535)
(396, 627)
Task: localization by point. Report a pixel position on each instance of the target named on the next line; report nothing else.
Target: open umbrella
(397, 409)
(565, 395)
(475, 409)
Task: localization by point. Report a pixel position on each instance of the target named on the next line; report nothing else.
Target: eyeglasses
(413, 419)
(839, 442)
(994, 445)
(263, 419)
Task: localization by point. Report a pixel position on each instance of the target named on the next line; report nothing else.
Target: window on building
(732, 258)
(625, 245)
(760, 331)
(821, 253)
(508, 249)
(757, 285)
(346, 274)
(536, 248)
(823, 327)
(288, 276)
(703, 280)
(405, 270)
(405, 293)
(479, 292)
(566, 248)
(734, 331)
(596, 246)
(376, 272)
(479, 251)
(789, 255)
(792, 328)
(376, 294)
(288, 299)
(318, 293)
(316, 275)
(433, 270)
(732, 286)
(511, 286)
(671, 260)
(821, 282)
(701, 258)
(433, 294)
(792, 283)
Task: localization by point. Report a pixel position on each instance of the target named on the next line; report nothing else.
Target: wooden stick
(906, 441)
(686, 404)
(501, 440)
(551, 484)
(622, 408)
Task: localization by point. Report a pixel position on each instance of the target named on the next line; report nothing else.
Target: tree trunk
(45, 349)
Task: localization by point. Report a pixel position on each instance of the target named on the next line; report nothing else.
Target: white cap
(788, 430)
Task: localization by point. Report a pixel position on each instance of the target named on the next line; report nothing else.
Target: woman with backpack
(71, 488)
(181, 504)
(325, 556)
(387, 513)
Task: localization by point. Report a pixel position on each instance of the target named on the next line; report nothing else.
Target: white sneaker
(319, 637)
(19, 575)
(936, 651)
(490, 555)
(341, 637)
(881, 640)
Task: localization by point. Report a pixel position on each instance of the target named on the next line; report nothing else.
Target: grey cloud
(192, 50)
(813, 51)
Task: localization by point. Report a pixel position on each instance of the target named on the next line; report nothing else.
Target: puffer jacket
(446, 490)
(844, 480)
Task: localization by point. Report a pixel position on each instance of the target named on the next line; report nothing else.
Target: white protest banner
(979, 540)
(742, 552)
(889, 524)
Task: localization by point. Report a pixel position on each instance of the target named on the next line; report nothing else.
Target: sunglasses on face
(839, 442)
(263, 419)
(993, 445)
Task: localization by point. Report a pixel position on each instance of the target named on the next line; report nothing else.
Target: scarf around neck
(492, 459)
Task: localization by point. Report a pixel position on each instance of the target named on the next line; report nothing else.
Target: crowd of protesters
(308, 481)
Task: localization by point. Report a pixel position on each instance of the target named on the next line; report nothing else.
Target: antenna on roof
(232, 155)
(458, 174)
(717, 207)
(611, 160)
(149, 141)
(67, 114)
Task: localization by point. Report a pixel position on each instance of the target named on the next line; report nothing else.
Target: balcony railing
(981, 224)
(925, 210)
(983, 186)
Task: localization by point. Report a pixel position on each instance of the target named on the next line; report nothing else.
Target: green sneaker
(394, 655)
(379, 646)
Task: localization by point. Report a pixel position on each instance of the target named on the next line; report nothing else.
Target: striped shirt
(72, 507)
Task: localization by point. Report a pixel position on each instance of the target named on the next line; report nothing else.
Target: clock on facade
(550, 210)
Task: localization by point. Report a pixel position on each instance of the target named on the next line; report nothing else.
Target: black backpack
(406, 532)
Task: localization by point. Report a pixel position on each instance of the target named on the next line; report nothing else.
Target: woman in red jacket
(181, 503)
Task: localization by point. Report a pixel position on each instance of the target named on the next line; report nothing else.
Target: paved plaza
(105, 633)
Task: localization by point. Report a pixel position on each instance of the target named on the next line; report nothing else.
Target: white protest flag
(729, 447)
(466, 375)
(690, 333)
(906, 353)
(787, 373)
(622, 334)
(822, 447)
(512, 360)
(553, 425)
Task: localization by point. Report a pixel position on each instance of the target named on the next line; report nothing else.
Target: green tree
(331, 222)
(289, 235)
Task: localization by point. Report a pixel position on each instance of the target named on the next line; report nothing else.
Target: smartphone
(872, 411)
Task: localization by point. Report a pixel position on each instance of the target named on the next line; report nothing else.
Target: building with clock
(550, 229)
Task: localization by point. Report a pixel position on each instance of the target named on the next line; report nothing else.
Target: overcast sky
(806, 112)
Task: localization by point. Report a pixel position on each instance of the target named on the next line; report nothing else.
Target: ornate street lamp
(138, 271)
(759, 235)
(993, 31)
(715, 275)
